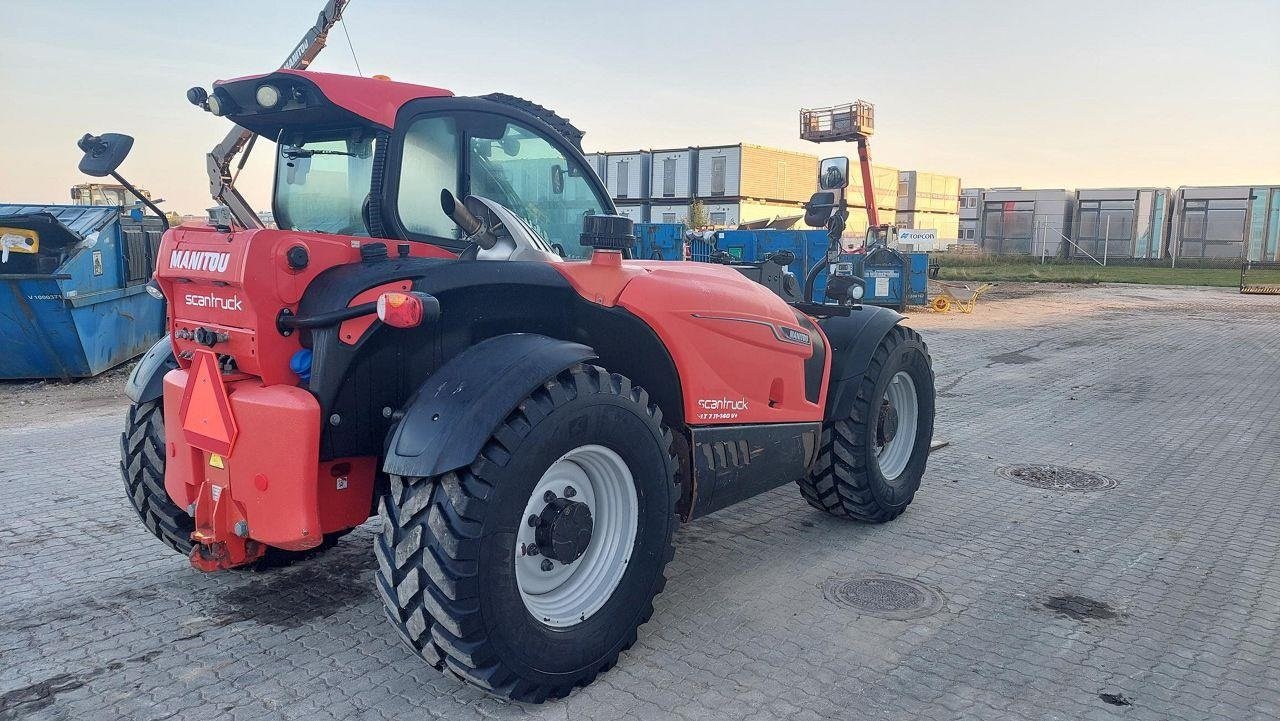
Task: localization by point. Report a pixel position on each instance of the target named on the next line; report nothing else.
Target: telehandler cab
(444, 332)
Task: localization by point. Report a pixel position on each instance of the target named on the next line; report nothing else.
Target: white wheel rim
(893, 456)
(570, 593)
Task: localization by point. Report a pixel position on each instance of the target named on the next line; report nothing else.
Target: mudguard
(451, 416)
(854, 338)
(146, 381)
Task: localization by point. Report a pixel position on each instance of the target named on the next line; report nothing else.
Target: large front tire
(455, 569)
(870, 465)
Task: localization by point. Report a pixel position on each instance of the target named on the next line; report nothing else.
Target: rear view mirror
(103, 153)
(833, 173)
(557, 179)
(819, 209)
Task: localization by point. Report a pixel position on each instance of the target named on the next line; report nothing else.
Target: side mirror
(103, 153)
(833, 173)
(557, 179)
(819, 209)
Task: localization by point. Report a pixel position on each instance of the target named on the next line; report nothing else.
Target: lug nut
(531, 549)
(570, 491)
(547, 565)
(242, 529)
(549, 496)
(533, 521)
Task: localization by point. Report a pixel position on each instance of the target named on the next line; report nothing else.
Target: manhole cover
(1055, 478)
(884, 596)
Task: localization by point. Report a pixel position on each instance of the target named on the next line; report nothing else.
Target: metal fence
(1261, 278)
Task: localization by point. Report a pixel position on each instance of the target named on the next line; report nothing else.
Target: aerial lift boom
(219, 160)
(852, 121)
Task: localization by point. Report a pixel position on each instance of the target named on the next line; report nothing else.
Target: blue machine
(894, 279)
(659, 241)
(73, 300)
(808, 246)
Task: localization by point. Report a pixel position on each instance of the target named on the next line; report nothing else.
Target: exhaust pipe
(469, 224)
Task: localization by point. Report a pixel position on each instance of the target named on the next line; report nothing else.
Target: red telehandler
(444, 332)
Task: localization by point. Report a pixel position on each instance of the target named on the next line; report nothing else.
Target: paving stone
(1174, 393)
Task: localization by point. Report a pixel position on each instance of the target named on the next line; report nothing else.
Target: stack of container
(929, 201)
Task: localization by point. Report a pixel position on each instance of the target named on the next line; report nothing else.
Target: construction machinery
(443, 333)
(850, 122)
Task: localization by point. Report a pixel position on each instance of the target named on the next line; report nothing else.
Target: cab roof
(375, 99)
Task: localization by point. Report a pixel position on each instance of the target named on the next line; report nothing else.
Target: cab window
(517, 167)
(322, 183)
(429, 164)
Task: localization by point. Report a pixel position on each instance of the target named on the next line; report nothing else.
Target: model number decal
(206, 260)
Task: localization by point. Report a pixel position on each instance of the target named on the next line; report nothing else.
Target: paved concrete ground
(1175, 394)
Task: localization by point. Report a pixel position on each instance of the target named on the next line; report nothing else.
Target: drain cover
(1056, 478)
(884, 596)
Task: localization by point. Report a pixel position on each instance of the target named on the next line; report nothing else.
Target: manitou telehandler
(443, 332)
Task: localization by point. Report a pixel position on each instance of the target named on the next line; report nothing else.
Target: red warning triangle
(207, 422)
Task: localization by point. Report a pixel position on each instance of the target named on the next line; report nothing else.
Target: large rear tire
(142, 465)
(487, 572)
(142, 458)
(870, 465)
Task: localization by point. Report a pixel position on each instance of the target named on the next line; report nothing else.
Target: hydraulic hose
(811, 278)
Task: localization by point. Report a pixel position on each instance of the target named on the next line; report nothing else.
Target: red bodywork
(243, 446)
(270, 476)
(374, 99)
(725, 336)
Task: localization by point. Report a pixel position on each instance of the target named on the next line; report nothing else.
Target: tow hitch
(222, 533)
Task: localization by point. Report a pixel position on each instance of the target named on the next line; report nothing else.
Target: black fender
(146, 381)
(854, 339)
(448, 419)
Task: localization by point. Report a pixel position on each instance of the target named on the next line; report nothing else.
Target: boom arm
(219, 161)
(868, 192)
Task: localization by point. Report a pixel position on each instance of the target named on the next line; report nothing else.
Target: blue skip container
(73, 299)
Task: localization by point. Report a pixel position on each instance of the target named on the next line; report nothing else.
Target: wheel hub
(574, 540)
(564, 529)
(896, 425)
(887, 424)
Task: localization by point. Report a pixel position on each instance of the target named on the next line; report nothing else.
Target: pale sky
(1003, 92)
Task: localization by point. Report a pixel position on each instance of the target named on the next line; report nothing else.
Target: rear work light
(268, 96)
(406, 310)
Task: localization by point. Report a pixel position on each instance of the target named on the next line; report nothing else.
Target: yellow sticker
(215, 460)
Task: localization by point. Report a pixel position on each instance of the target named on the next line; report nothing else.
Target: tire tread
(428, 549)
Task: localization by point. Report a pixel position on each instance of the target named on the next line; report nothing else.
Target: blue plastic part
(300, 363)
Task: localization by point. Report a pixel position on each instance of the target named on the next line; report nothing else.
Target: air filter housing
(607, 232)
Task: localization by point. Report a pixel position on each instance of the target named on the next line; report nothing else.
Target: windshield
(322, 184)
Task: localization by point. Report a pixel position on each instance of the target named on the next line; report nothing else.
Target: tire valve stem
(547, 565)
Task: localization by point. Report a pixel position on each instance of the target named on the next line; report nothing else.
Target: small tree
(698, 217)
